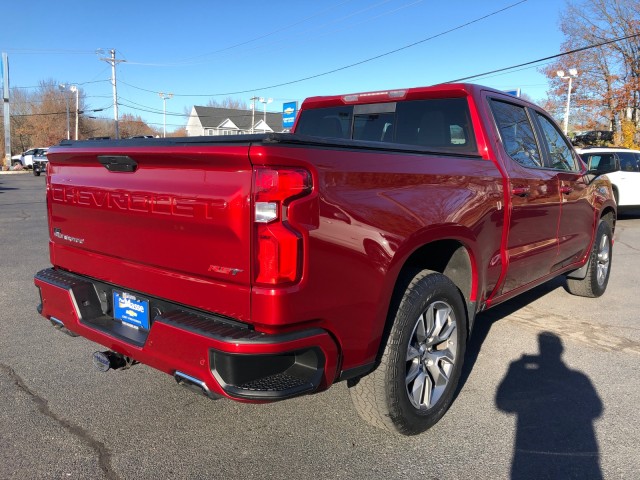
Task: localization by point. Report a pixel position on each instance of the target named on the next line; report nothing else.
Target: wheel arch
(452, 257)
(608, 214)
(616, 192)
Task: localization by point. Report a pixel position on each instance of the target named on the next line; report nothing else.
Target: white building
(229, 121)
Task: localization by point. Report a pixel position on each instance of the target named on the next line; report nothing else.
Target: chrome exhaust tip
(195, 385)
(59, 325)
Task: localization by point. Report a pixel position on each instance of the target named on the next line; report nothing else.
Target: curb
(14, 172)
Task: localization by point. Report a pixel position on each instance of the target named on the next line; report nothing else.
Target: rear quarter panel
(375, 209)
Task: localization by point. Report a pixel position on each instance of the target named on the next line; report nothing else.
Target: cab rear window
(436, 124)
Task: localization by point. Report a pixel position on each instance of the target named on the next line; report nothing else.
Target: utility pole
(112, 60)
(573, 73)
(253, 112)
(63, 89)
(74, 88)
(164, 98)
(4, 73)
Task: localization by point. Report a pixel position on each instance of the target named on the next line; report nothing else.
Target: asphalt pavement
(551, 383)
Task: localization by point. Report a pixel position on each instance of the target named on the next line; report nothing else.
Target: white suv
(622, 166)
(26, 159)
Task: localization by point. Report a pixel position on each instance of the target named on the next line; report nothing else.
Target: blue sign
(289, 111)
(131, 310)
(515, 93)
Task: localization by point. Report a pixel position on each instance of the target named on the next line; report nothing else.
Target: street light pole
(74, 88)
(253, 112)
(63, 89)
(265, 102)
(164, 98)
(572, 73)
(6, 106)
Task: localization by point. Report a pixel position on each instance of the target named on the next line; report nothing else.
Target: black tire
(595, 282)
(386, 397)
(37, 174)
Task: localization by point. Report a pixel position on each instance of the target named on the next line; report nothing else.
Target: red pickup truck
(360, 247)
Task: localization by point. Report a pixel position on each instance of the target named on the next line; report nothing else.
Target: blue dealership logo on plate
(131, 310)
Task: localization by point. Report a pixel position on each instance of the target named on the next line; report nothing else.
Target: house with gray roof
(230, 121)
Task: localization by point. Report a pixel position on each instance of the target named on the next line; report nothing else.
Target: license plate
(131, 310)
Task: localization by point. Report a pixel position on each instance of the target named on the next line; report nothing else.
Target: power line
(58, 113)
(311, 34)
(40, 101)
(513, 67)
(150, 110)
(279, 44)
(35, 51)
(582, 49)
(259, 37)
(74, 83)
(186, 115)
(391, 52)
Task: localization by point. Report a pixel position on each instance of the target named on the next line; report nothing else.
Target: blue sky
(203, 49)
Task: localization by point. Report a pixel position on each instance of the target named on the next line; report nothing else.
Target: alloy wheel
(431, 355)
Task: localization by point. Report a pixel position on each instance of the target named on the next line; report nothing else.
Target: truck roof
(414, 93)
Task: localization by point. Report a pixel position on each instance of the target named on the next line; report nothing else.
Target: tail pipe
(58, 325)
(195, 385)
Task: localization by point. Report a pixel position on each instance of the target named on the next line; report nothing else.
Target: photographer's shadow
(555, 408)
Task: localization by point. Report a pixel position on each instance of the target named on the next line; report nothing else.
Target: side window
(628, 162)
(332, 122)
(517, 134)
(560, 154)
(441, 124)
(604, 162)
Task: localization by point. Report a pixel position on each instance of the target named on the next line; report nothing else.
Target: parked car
(26, 159)
(40, 162)
(622, 166)
(592, 137)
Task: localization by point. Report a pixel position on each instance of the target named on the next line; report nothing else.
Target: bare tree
(131, 126)
(178, 132)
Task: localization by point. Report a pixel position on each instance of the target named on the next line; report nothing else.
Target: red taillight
(278, 246)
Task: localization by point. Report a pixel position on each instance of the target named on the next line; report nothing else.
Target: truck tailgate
(177, 226)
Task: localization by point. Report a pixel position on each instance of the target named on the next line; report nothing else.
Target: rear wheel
(37, 174)
(415, 382)
(595, 282)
